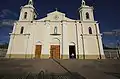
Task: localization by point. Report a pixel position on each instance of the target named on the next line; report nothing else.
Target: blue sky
(107, 13)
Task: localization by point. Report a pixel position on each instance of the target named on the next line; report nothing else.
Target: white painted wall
(38, 32)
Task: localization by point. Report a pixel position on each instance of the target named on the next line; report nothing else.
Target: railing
(111, 54)
(3, 52)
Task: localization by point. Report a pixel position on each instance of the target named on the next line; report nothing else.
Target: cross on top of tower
(56, 9)
(83, 2)
(30, 2)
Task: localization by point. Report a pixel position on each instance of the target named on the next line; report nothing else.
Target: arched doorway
(72, 51)
(38, 49)
(55, 49)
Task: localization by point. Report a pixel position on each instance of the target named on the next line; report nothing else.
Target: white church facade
(55, 36)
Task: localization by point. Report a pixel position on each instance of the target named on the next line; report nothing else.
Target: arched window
(25, 15)
(55, 30)
(90, 30)
(83, 3)
(22, 29)
(87, 16)
(34, 17)
(30, 2)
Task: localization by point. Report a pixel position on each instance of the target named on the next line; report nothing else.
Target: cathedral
(55, 36)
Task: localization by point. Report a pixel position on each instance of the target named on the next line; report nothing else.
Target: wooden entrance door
(55, 51)
(38, 51)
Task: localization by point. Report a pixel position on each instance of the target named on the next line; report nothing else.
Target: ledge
(55, 34)
(90, 34)
(18, 34)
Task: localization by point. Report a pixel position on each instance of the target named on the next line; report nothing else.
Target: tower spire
(83, 2)
(30, 2)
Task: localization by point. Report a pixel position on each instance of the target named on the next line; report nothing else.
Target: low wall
(112, 53)
(3, 52)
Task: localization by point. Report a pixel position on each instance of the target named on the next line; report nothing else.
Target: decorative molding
(18, 34)
(91, 34)
(55, 34)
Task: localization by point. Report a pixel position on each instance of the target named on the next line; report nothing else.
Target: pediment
(56, 16)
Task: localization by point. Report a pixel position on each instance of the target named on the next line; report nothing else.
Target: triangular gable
(56, 16)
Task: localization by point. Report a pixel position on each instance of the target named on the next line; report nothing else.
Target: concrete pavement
(87, 69)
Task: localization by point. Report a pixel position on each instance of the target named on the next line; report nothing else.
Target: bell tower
(86, 12)
(28, 12)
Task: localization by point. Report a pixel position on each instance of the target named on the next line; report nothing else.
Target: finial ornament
(56, 9)
(30, 2)
(83, 2)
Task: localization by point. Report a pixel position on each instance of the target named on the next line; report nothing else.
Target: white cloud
(7, 22)
(7, 17)
(5, 13)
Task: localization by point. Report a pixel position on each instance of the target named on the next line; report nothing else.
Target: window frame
(22, 30)
(87, 15)
(25, 15)
(55, 30)
(90, 30)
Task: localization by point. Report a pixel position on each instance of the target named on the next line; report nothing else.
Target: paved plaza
(86, 69)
